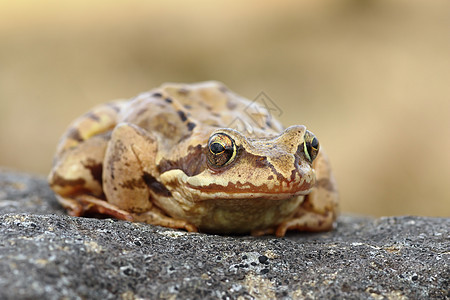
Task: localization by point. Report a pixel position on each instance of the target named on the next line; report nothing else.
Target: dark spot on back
(169, 100)
(187, 106)
(155, 185)
(92, 116)
(183, 91)
(184, 136)
(268, 123)
(182, 115)
(191, 126)
(141, 111)
(223, 89)
(113, 106)
(270, 177)
(231, 104)
(74, 134)
(157, 95)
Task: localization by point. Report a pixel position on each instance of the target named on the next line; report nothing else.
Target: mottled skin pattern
(196, 157)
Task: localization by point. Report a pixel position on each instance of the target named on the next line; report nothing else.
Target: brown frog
(196, 157)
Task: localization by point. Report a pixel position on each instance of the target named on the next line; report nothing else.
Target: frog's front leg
(319, 209)
(130, 177)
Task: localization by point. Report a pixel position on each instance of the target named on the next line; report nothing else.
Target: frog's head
(232, 166)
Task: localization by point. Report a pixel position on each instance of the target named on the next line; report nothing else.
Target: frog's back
(204, 106)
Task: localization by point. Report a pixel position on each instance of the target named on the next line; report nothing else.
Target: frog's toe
(73, 207)
(190, 227)
(265, 231)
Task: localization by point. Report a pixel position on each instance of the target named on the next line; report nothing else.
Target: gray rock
(48, 255)
(25, 193)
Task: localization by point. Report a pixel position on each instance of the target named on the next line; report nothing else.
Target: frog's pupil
(315, 143)
(217, 148)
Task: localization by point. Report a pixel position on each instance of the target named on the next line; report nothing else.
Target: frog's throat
(201, 189)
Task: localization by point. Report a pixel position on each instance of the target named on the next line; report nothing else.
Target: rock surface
(45, 254)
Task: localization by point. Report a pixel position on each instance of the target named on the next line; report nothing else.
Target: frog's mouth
(248, 191)
(238, 188)
(204, 187)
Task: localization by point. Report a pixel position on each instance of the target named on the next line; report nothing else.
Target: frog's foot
(307, 221)
(157, 217)
(73, 207)
(85, 204)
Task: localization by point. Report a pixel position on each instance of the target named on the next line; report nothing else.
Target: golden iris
(311, 146)
(222, 150)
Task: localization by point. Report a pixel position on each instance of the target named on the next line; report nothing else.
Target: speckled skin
(152, 159)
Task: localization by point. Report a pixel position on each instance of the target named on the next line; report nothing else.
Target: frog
(195, 157)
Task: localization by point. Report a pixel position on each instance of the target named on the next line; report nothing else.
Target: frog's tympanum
(196, 157)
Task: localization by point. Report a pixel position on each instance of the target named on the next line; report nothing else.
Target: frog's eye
(222, 150)
(311, 146)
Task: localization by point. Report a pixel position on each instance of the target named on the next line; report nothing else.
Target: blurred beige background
(370, 78)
